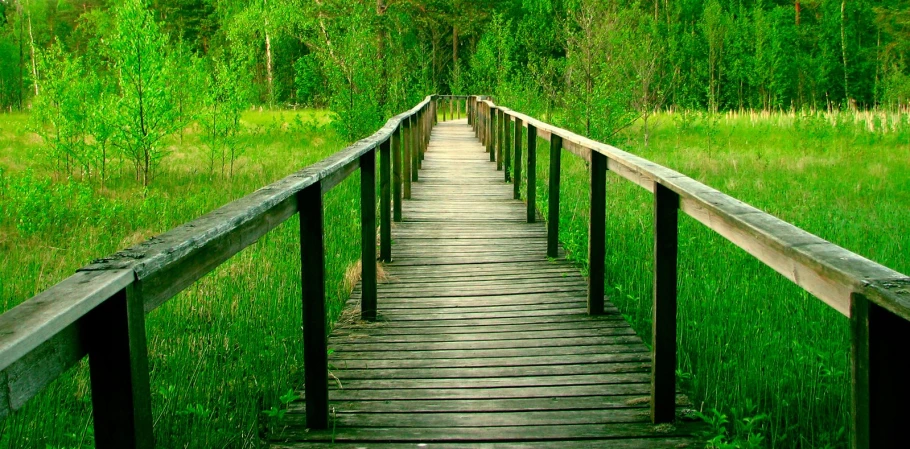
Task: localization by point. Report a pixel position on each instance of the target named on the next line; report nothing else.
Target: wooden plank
(636, 443)
(312, 261)
(603, 402)
(503, 433)
(397, 157)
(38, 319)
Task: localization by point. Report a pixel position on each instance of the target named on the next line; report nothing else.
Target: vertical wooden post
(880, 389)
(500, 127)
(385, 202)
(118, 365)
(396, 173)
(312, 273)
(859, 356)
(532, 173)
(415, 147)
(457, 108)
(451, 108)
(469, 110)
(553, 208)
(368, 235)
(406, 157)
(507, 147)
(596, 237)
(663, 340)
(516, 184)
(418, 123)
(494, 137)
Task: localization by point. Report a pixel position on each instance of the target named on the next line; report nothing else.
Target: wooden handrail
(47, 334)
(874, 297)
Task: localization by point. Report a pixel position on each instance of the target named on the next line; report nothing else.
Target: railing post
(118, 365)
(500, 126)
(596, 230)
(663, 340)
(396, 173)
(506, 147)
(532, 173)
(414, 143)
(492, 137)
(418, 137)
(368, 235)
(312, 271)
(406, 146)
(385, 202)
(516, 184)
(880, 390)
(553, 208)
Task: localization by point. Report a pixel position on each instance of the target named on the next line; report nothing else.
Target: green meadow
(224, 353)
(762, 360)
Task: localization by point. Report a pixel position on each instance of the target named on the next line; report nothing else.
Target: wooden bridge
(480, 334)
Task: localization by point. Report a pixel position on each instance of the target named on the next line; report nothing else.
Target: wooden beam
(368, 235)
(553, 197)
(516, 191)
(312, 270)
(596, 234)
(532, 174)
(118, 365)
(385, 202)
(663, 340)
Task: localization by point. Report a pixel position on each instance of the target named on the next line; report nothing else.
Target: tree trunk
(268, 66)
(31, 39)
(380, 50)
(843, 47)
(454, 46)
(21, 57)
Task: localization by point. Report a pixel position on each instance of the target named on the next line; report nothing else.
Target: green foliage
(146, 111)
(62, 111)
(309, 80)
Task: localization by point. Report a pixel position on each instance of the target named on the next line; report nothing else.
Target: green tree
(146, 111)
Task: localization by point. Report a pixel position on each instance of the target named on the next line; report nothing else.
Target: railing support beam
(312, 270)
(516, 181)
(532, 174)
(385, 201)
(118, 365)
(880, 389)
(553, 208)
(368, 235)
(663, 340)
(596, 231)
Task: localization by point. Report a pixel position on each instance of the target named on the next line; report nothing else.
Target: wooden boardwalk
(480, 340)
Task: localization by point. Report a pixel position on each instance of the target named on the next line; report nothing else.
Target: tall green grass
(222, 353)
(753, 345)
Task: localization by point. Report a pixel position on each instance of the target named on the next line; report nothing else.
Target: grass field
(768, 356)
(225, 351)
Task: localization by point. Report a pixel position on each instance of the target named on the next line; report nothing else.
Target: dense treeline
(122, 75)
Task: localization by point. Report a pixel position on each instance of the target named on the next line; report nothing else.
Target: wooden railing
(875, 298)
(100, 311)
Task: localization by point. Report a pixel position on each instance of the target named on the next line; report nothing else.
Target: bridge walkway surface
(481, 340)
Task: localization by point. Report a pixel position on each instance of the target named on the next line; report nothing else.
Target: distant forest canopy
(598, 61)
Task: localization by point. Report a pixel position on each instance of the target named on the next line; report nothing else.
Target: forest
(83, 66)
(122, 119)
